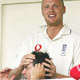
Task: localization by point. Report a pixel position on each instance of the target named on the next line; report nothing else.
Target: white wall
(72, 16)
(20, 20)
(0, 40)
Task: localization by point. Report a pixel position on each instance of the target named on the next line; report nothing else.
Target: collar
(63, 32)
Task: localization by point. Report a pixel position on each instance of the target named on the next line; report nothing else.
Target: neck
(53, 30)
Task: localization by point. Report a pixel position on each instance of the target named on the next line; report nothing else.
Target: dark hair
(39, 58)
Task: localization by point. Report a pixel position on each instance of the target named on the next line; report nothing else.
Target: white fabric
(59, 79)
(64, 49)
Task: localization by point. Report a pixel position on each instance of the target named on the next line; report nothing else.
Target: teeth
(51, 16)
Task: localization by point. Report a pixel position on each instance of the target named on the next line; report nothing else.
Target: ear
(64, 9)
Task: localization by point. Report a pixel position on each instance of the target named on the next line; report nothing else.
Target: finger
(29, 56)
(49, 75)
(8, 69)
(50, 71)
(25, 64)
(47, 70)
(27, 60)
(36, 65)
(39, 65)
(5, 70)
(2, 72)
(47, 65)
(49, 61)
(42, 68)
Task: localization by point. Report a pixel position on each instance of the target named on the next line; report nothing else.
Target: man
(36, 73)
(62, 44)
(36, 70)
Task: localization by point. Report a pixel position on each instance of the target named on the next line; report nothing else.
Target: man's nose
(24, 71)
(51, 9)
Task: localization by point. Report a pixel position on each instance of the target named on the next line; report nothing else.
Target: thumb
(13, 77)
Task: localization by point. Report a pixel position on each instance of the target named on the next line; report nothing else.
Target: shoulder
(33, 37)
(72, 34)
(37, 35)
(75, 35)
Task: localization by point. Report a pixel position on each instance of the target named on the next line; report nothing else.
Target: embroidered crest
(64, 47)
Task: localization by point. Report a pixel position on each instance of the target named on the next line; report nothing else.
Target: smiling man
(53, 12)
(62, 44)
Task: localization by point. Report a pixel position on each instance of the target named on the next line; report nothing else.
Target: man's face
(27, 71)
(53, 11)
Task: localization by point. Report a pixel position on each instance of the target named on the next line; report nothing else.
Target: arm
(15, 72)
(27, 59)
(60, 76)
(52, 70)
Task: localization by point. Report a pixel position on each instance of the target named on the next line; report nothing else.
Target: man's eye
(47, 6)
(55, 6)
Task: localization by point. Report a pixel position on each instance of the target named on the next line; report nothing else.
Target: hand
(4, 74)
(27, 59)
(37, 72)
(51, 70)
(6, 78)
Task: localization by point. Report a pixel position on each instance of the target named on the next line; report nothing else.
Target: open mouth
(51, 16)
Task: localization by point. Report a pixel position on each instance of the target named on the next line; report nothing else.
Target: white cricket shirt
(64, 49)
